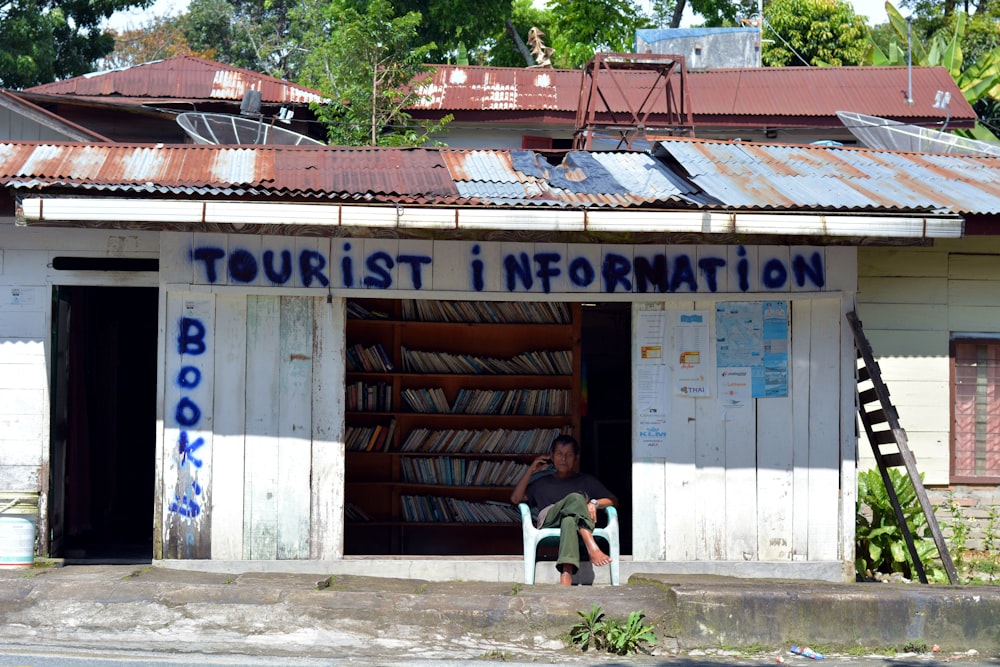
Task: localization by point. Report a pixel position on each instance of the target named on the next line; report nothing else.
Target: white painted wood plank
(414, 266)
(889, 342)
(801, 360)
(681, 474)
(583, 269)
(741, 482)
(326, 539)
(824, 431)
(972, 267)
(230, 420)
(848, 437)
(841, 268)
(917, 262)
(651, 531)
(742, 269)
(175, 258)
(260, 531)
(294, 426)
(810, 269)
(609, 272)
(651, 270)
(211, 266)
(279, 262)
(774, 269)
(483, 264)
(711, 492)
(189, 426)
(682, 262)
(973, 319)
(712, 271)
(879, 290)
(906, 317)
(245, 264)
(971, 292)
(380, 270)
(896, 369)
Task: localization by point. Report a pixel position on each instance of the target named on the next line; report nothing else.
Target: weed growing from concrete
(611, 635)
(496, 654)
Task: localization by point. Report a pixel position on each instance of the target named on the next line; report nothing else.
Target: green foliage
(503, 50)
(446, 23)
(603, 634)
(45, 40)
(366, 63)
(813, 32)
(719, 13)
(880, 545)
(960, 529)
(580, 28)
(256, 34)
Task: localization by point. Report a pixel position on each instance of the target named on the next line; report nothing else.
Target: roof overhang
(97, 211)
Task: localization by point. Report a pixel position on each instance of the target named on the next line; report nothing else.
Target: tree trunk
(675, 22)
(524, 51)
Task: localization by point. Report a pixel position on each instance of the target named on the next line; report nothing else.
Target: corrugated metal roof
(779, 176)
(761, 91)
(682, 173)
(181, 77)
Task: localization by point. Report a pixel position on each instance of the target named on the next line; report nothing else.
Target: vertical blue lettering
(311, 264)
(415, 262)
(615, 270)
(189, 377)
(379, 263)
(774, 275)
(515, 267)
(546, 270)
(347, 268)
(478, 282)
(743, 269)
(242, 266)
(647, 272)
(709, 267)
(581, 272)
(187, 412)
(683, 273)
(278, 278)
(209, 256)
(815, 272)
(191, 339)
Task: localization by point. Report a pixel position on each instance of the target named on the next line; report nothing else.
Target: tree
(979, 80)
(161, 37)
(447, 23)
(813, 32)
(45, 40)
(255, 34)
(504, 50)
(582, 27)
(715, 12)
(366, 63)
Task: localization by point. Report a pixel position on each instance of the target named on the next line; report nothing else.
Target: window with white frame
(975, 408)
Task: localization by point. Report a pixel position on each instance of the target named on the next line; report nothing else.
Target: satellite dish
(220, 128)
(886, 134)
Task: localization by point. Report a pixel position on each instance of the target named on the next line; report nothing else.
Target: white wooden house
(174, 328)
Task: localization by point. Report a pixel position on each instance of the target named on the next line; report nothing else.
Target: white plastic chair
(533, 537)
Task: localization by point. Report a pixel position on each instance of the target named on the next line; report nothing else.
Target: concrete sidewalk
(156, 608)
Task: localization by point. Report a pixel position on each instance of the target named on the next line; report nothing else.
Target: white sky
(873, 9)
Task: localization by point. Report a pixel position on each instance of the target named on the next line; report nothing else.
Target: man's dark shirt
(551, 489)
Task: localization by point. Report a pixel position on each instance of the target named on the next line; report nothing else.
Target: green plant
(916, 646)
(611, 635)
(960, 529)
(990, 537)
(880, 545)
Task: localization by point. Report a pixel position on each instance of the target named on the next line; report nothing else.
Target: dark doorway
(606, 424)
(103, 423)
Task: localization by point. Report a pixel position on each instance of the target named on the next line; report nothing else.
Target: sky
(873, 9)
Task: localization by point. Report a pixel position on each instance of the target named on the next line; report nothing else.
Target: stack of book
(461, 472)
(364, 397)
(438, 509)
(482, 441)
(369, 438)
(370, 359)
(540, 362)
(497, 312)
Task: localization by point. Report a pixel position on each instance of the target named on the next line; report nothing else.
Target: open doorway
(103, 424)
(606, 424)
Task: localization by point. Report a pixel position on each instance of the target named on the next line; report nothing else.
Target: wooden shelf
(375, 484)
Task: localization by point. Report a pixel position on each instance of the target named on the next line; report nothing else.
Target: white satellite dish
(220, 128)
(886, 134)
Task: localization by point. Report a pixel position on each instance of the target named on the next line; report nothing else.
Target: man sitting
(568, 499)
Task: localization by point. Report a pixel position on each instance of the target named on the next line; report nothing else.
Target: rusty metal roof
(765, 176)
(714, 95)
(680, 174)
(181, 77)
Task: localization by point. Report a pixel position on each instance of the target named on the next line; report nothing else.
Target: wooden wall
(252, 446)
(910, 301)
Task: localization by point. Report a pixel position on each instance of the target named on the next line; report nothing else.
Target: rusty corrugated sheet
(765, 176)
(181, 77)
(681, 173)
(763, 91)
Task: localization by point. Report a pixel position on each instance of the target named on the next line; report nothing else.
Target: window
(975, 432)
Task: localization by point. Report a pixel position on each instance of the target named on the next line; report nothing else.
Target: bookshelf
(447, 404)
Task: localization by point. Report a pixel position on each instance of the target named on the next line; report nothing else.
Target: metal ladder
(883, 412)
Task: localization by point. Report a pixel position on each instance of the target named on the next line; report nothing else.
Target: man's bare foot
(565, 578)
(598, 558)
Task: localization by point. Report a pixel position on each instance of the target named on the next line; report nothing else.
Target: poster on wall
(651, 377)
(754, 335)
(691, 354)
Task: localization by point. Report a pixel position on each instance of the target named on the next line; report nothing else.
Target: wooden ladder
(883, 412)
